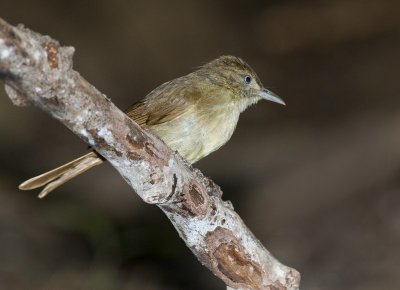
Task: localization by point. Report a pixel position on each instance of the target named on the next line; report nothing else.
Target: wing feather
(165, 103)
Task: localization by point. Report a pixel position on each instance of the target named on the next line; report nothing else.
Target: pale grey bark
(38, 71)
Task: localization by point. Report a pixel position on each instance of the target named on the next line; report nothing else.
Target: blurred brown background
(317, 181)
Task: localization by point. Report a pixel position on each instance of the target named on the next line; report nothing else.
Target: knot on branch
(194, 200)
(230, 259)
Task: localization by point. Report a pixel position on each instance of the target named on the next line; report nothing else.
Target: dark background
(318, 181)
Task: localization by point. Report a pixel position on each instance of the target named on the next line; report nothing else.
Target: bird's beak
(270, 96)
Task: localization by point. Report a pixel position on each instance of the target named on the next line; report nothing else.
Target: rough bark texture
(38, 71)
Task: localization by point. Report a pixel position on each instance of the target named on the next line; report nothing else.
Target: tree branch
(38, 71)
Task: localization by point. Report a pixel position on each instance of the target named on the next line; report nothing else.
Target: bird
(194, 115)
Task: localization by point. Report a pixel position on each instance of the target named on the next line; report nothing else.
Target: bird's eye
(247, 79)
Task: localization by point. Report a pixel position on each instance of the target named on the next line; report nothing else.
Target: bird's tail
(58, 176)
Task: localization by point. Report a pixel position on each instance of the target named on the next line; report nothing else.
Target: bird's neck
(244, 103)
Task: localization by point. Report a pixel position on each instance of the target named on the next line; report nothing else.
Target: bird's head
(233, 74)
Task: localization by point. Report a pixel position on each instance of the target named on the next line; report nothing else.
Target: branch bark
(38, 71)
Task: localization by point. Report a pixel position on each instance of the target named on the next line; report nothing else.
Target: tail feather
(58, 176)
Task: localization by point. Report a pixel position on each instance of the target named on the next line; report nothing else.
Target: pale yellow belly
(195, 136)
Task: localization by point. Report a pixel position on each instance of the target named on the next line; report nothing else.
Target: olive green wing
(165, 103)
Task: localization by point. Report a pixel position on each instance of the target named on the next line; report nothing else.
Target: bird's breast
(195, 134)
